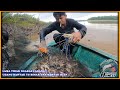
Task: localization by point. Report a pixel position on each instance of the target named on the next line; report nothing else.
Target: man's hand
(76, 37)
(44, 50)
(43, 47)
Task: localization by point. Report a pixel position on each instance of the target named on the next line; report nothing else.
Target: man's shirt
(68, 29)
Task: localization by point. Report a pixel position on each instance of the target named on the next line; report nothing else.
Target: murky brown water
(102, 36)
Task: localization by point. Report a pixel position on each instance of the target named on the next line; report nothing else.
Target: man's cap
(58, 14)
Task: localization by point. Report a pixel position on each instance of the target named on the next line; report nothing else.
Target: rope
(66, 48)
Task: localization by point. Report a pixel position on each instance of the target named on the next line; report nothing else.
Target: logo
(108, 74)
(109, 68)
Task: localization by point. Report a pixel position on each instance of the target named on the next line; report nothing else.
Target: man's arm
(46, 31)
(43, 33)
(80, 27)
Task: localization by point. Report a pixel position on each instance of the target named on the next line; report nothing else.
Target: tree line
(104, 18)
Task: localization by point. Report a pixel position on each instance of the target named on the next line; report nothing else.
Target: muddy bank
(19, 39)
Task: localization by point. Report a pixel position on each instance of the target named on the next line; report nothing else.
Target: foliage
(104, 18)
(23, 20)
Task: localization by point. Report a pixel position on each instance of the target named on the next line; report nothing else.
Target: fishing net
(59, 66)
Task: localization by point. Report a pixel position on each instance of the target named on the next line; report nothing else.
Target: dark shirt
(68, 29)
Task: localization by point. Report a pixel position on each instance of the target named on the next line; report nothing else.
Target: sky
(48, 16)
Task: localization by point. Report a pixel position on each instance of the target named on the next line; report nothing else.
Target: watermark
(108, 74)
